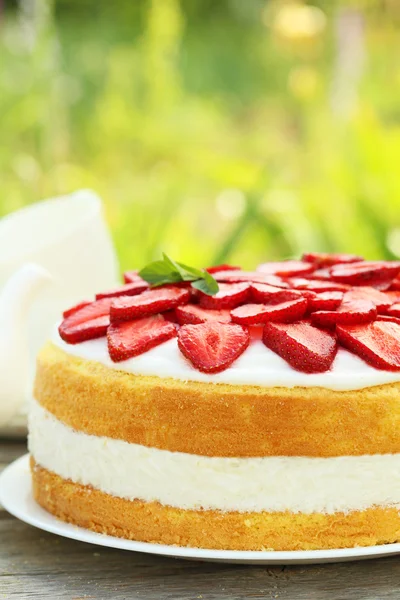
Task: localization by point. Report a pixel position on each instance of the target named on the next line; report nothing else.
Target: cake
(227, 409)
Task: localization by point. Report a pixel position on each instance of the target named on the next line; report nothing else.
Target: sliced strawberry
(249, 276)
(229, 296)
(388, 318)
(135, 337)
(219, 268)
(129, 289)
(320, 259)
(377, 343)
(192, 314)
(212, 347)
(381, 300)
(325, 301)
(89, 322)
(394, 310)
(395, 284)
(151, 302)
(285, 312)
(393, 295)
(132, 276)
(365, 272)
(286, 268)
(319, 274)
(74, 309)
(349, 312)
(316, 285)
(303, 346)
(382, 286)
(262, 292)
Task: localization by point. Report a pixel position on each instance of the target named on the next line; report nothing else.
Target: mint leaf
(161, 272)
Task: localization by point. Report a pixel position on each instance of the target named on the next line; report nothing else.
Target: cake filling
(272, 484)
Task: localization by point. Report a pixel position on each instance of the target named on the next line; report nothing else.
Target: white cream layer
(257, 366)
(188, 481)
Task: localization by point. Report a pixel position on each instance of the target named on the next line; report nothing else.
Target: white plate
(16, 497)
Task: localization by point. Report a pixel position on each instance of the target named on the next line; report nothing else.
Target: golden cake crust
(153, 522)
(217, 419)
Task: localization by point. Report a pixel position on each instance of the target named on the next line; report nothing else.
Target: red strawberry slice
(87, 323)
(262, 292)
(377, 343)
(129, 289)
(365, 272)
(303, 346)
(320, 259)
(219, 268)
(319, 274)
(229, 296)
(135, 337)
(212, 347)
(381, 300)
(316, 285)
(325, 301)
(394, 310)
(286, 268)
(388, 318)
(249, 276)
(285, 312)
(395, 284)
(132, 276)
(192, 314)
(73, 309)
(349, 312)
(394, 296)
(151, 302)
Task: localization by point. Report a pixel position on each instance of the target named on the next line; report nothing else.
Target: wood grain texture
(38, 565)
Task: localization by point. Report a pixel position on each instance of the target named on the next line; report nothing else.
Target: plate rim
(17, 474)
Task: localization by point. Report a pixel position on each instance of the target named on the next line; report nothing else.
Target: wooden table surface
(35, 564)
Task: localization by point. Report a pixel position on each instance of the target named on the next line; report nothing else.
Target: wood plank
(38, 565)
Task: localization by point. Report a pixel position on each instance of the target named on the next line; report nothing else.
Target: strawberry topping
(358, 300)
(229, 296)
(249, 276)
(349, 312)
(394, 310)
(286, 268)
(388, 318)
(377, 343)
(315, 285)
(285, 312)
(192, 315)
(365, 272)
(212, 347)
(89, 322)
(262, 292)
(325, 301)
(135, 337)
(132, 276)
(129, 289)
(218, 268)
(326, 260)
(381, 300)
(303, 346)
(151, 302)
(73, 309)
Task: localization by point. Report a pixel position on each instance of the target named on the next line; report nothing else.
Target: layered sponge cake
(227, 409)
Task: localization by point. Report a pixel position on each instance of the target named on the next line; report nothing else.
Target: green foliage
(232, 136)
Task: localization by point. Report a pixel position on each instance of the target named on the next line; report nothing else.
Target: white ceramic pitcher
(52, 254)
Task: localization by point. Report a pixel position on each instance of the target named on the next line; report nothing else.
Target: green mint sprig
(161, 272)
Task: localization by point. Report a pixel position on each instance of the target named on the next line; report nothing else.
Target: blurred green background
(237, 130)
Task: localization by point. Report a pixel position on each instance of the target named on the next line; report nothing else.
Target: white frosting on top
(131, 471)
(256, 366)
